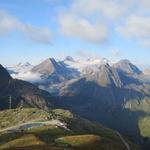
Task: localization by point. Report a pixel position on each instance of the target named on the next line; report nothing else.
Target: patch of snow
(20, 68)
(81, 64)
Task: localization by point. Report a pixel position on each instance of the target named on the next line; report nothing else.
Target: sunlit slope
(69, 131)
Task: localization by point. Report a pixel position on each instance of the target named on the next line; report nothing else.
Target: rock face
(102, 94)
(147, 73)
(53, 74)
(127, 67)
(69, 58)
(21, 92)
(55, 71)
(4, 76)
(27, 64)
(104, 75)
(47, 67)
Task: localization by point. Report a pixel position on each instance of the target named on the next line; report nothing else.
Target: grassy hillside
(79, 133)
(144, 125)
(142, 108)
(142, 105)
(16, 116)
(89, 142)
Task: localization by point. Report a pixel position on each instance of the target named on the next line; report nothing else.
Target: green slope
(79, 133)
(142, 108)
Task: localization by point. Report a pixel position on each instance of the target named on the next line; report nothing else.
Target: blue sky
(33, 30)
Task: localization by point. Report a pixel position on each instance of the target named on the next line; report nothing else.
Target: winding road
(123, 140)
(33, 124)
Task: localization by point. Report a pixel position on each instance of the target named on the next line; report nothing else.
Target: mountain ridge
(21, 92)
(126, 66)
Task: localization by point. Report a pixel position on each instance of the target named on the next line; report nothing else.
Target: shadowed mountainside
(21, 93)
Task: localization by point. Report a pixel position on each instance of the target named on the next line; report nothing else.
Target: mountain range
(114, 94)
(39, 126)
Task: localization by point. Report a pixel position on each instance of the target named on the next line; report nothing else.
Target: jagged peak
(126, 66)
(50, 61)
(47, 67)
(69, 58)
(125, 61)
(23, 64)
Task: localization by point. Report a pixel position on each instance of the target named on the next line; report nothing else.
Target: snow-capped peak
(26, 64)
(20, 67)
(69, 58)
(81, 64)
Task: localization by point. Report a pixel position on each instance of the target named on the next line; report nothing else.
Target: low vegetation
(79, 134)
(17, 116)
(139, 105)
(144, 125)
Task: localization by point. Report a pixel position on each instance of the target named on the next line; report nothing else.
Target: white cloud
(27, 76)
(116, 52)
(90, 20)
(86, 54)
(75, 26)
(145, 43)
(95, 20)
(40, 35)
(143, 6)
(9, 23)
(137, 27)
(107, 8)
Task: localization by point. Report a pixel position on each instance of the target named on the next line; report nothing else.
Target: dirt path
(123, 140)
(33, 124)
